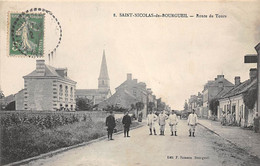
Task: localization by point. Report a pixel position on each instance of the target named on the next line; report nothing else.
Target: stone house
(233, 101)
(47, 88)
(211, 89)
(129, 92)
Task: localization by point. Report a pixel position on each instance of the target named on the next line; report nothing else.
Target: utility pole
(257, 48)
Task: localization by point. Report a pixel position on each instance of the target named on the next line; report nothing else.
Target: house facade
(233, 101)
(47, 88)
(211, 89)
(129, 92)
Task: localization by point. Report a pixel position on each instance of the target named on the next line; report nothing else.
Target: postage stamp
(26, 34)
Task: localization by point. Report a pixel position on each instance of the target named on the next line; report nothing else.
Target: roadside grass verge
(25, 140)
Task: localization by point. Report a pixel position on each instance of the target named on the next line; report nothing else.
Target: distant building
(233, 101)
(103, 92)
(195, 102)
(4, 101)
(212, 88)
(47, 88)
(128, 93)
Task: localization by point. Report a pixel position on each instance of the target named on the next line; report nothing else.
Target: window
(71, 91)
(60, 90)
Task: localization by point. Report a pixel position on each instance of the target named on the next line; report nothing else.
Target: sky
(175, 57)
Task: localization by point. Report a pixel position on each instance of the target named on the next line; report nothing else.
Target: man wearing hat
(192, 122)
(162, 118)
(111, 124)
(151, 119)
(127, 122)
(173, 121)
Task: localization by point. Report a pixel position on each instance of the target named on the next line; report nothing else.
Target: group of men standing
(153, 119)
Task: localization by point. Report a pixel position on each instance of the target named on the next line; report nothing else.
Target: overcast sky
(175, 57)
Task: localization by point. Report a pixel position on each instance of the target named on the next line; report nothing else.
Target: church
(103, 92)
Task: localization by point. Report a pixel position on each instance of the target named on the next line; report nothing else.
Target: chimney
(220, 76)
(129, 76)
(237, 80)
(135, 81)
(253, 73)
(40, 66)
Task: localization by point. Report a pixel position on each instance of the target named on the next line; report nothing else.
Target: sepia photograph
(129, 83)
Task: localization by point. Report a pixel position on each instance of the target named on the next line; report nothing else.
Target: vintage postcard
(129, 83)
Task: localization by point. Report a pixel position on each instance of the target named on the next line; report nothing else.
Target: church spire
(103, 80)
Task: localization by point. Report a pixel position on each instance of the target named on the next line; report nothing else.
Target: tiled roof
(49, 72)
(223, 92)
(239, 89)
(121, 97)
(225, 82)
(91, 91)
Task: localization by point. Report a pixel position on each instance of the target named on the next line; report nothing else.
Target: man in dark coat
(127, 122)
(111, 124)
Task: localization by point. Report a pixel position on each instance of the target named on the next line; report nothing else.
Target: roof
(132, 84)
(223, 92)
(225, 82)
(85, 92)
(241, 88)
(122, 98)
(49, 72)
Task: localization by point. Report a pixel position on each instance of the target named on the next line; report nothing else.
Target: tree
(84, 104)
(186, 105)
(250, 97)
(114, 108)
(139, 106)
(133, 107)
(213, 106)
(1, 95)
(151, 106)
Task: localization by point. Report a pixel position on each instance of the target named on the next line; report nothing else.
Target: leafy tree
(1, 95)
(139, 106)
(213, 106)
(186, 105)
(133, 107)
(84, 104)
(151, 106)
(161, 106)
(114, 108)
(250, 97)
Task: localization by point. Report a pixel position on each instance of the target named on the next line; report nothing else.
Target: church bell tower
(103, 80)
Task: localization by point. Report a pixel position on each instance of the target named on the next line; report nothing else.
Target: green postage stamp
(26, 34)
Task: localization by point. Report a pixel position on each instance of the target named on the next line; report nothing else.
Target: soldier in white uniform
(162, 118)
(151, 119)
(192, 122)
(173, 121)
